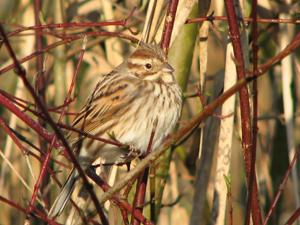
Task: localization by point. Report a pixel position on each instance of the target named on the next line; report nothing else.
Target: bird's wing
(111, 96)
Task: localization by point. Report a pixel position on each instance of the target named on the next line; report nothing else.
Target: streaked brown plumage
(127, 102)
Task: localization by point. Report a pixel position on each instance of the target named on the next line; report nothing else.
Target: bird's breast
(157, 111)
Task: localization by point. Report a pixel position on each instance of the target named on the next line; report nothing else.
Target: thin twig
(281, 186)
(68, 39)
(293, 217)
(70, 25)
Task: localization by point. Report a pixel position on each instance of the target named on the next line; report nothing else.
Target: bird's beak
(168, 68)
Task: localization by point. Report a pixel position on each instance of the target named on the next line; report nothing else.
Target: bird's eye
(148, 66)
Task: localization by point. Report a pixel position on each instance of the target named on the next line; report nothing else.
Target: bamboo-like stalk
(219, 7)
(149, 21)
(225, 140)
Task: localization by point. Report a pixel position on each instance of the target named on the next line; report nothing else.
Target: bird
(137, 97)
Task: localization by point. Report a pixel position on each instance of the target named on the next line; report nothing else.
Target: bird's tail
(64, 195)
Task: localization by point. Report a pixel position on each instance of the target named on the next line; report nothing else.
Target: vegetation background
(201, 181)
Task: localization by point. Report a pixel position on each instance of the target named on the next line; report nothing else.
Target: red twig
(139, 198)
(15, 139)
(24, 150)
(294, 44)
(251, 197)
(70, 25)
(245, 113)
(27, 105)
(17, 142)
(19, 208)
(169, 23)
(39, 181)
(30, 122)
(6, 102)
(16, 99)
(281, 186)
(293, 218)
(68, 39)
(13, 136)
(88, 135)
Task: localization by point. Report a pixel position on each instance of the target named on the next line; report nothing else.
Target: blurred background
(200, 53)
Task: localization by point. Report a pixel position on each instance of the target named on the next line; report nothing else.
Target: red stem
(293, 218)
(139, 198)
(245, 113)
(24, 150)
(251, 196)
(6, 102)
(13, 136)
(281, 186)
(39, 181)
(85, 134)
(169, 23)
(294, 44)
(30, 122)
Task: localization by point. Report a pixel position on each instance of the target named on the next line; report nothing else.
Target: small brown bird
(128, 102)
